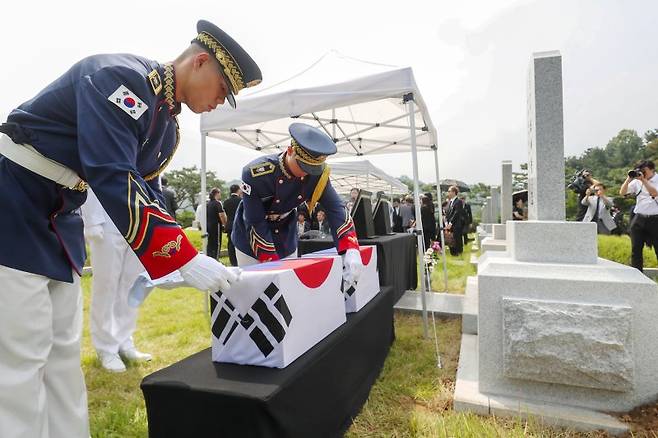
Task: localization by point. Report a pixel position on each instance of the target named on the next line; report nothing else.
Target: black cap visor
(229, 95)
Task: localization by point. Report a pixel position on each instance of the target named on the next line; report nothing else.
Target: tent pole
(204, 189)
(204, 228)
(443, 246)
(333, 125)
(419, 223)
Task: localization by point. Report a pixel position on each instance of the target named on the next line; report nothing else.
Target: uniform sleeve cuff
(168, 250)
(348, 241)
(267, 257)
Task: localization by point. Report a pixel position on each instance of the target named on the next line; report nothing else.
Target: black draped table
(396, 259)
(318, 395)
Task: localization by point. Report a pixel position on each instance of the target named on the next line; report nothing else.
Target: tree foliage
(609, 164)
(422, 187)
(186, 184)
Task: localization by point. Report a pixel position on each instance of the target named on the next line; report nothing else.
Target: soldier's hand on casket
(352, 266)
(207, 274)
(95, 232)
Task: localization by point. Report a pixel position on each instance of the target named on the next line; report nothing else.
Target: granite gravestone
(545, 138)
(506, 202)
(559, 329)
(495, 204)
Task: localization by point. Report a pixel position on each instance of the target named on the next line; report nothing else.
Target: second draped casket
(277, 311)
(359, 294)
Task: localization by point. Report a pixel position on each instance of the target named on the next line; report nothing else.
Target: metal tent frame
(380, 113)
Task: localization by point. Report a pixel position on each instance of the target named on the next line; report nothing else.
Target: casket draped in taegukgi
(277, 311)
(359, 294)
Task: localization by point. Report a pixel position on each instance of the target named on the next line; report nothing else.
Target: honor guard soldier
(109, 122)
(274, 186)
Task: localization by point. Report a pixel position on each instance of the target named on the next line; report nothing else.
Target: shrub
(185, 218)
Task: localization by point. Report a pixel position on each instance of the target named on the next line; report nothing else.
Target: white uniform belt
(26, 156)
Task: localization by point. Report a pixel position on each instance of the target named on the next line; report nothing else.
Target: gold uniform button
(276, 231)
(280, 181)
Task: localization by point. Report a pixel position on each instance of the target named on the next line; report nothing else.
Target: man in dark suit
(302, 224)
(170, 197)
(396, 217)
(455, 220)
(322, 223)
(230, 206)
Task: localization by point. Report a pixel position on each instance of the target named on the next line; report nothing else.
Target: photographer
(642, 182)
(597, 204)
(581, 183)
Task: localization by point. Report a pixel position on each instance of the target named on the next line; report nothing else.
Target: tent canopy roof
(366, 114)
(363, 174)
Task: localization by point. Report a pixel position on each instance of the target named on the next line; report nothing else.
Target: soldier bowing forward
(275, 185)
(110, 122)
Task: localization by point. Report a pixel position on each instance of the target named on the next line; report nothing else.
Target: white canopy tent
(363, 174)
(365, 114)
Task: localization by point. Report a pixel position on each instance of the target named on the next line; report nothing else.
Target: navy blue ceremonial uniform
(264, 226)
(108, 123)
(115, 140)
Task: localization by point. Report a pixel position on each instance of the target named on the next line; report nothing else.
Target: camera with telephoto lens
(635, 173)
(579, 182)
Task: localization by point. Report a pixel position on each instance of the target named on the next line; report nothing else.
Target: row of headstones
(497, 208)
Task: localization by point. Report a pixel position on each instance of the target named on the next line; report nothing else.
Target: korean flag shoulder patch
(128, 101)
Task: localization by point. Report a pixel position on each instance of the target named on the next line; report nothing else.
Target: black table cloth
(396, 259)
(318, 395)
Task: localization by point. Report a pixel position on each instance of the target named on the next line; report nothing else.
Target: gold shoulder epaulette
(155, 81)
(262, 169)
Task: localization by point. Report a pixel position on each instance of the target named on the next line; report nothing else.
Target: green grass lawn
(618, 249)
(411, 398)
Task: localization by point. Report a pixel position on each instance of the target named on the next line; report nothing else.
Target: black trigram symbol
(268, 319)
(226, 314)
(350, 290)
(263, 319)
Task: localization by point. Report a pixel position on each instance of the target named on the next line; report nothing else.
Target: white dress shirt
(644, 203)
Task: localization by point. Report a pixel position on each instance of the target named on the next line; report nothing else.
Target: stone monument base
(493, 244)
(567, 333)
(564, 338)
(468, 398)
(499, 231)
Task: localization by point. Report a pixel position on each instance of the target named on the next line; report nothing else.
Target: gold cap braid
(304, 156)
(231, 68)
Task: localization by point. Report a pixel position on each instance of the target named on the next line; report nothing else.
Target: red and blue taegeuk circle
(129, 102)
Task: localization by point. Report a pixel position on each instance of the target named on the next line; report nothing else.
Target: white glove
(352, 266)
(95, 232)
(207, 274)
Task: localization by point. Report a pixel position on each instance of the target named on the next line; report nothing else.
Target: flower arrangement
(432, 255)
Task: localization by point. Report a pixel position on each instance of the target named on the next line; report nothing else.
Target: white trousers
(115, 268)
(246, 260)
(42, 388)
